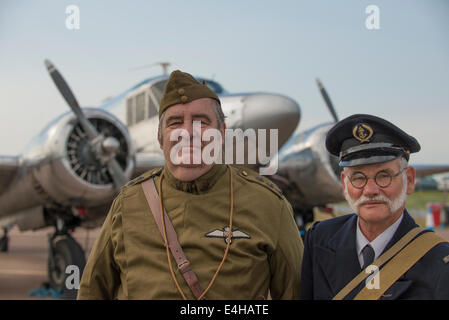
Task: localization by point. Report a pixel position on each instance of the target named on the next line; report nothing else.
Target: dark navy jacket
(330, 262)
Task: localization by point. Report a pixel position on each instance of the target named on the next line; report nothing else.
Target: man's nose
(193, 128)
(188, 126)
(371, 188)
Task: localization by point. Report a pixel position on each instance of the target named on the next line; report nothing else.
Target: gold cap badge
(362, 132)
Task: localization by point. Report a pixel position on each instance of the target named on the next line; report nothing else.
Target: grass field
(419, 199)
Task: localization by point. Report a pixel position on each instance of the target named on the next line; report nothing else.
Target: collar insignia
(223, 233)
(362, 132)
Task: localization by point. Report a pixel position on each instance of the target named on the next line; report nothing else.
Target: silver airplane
(69, 174)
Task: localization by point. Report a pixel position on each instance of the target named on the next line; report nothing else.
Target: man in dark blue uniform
(376, 180)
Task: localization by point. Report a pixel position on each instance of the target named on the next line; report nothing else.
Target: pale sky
(399, 72)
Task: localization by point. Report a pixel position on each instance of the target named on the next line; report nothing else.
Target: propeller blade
(106, 146)
(327, 100)
(65, 91)
(117, 173)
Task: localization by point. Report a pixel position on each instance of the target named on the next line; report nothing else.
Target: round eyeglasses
(383, 179)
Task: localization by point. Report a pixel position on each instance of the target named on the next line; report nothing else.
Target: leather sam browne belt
(395, 261)
(152, 197)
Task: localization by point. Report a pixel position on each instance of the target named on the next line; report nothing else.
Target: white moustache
(364, 199)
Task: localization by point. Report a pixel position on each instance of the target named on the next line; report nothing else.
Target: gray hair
(218, 111)
(403, 163)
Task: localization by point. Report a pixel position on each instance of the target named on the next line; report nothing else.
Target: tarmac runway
(24, 267)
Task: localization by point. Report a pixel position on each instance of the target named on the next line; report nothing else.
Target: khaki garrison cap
(183, 88)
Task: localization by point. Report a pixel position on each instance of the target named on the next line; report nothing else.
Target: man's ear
(342, 179)
(411, 176)
(159, 138)
(222, 131)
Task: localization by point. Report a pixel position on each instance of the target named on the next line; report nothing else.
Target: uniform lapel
(338, 258)
(346, 254)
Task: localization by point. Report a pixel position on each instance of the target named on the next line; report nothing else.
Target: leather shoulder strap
(152, 197)
(402, 262)
(398, 246)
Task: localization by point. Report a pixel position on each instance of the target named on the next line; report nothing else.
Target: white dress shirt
(377, 244)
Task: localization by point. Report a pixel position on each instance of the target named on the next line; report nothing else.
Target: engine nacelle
(308, 175)
(62, 166)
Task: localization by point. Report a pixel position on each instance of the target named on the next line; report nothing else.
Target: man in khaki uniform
(129, 258)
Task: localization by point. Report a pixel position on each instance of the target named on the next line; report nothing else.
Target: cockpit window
(140, 107)
(158, 90)
(214, 86)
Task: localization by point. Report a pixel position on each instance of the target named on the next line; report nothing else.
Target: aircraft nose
(270, 111)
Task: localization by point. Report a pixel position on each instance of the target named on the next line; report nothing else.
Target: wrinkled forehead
(203, 106)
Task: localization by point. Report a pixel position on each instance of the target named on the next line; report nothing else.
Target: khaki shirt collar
(200, 185)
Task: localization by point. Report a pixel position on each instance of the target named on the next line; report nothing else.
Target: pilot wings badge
(224, 233)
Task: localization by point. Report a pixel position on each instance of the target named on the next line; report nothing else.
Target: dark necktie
(368, 255)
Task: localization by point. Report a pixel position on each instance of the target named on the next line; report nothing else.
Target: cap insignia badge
(362, 132)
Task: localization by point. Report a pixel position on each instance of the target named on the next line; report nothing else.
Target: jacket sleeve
(286, 259)
(442, 287)
(101, 276)
(307, 267)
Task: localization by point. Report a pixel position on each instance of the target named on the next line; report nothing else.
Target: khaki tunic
(129, 260)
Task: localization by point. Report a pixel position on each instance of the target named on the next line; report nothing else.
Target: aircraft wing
(9, 166)
(427, 170)
(146, 161)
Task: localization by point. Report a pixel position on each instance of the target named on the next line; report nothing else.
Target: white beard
(393, 204)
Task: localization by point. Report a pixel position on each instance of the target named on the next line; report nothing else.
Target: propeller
(103, 148)
(327, 100)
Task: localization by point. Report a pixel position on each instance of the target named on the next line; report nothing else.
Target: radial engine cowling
(64, 167)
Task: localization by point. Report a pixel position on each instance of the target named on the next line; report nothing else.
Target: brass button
(184, 99)
(181, 91)
(446, 259)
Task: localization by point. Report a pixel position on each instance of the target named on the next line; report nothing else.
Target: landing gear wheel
(66, 252)
(4, 241)
(4, 244)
